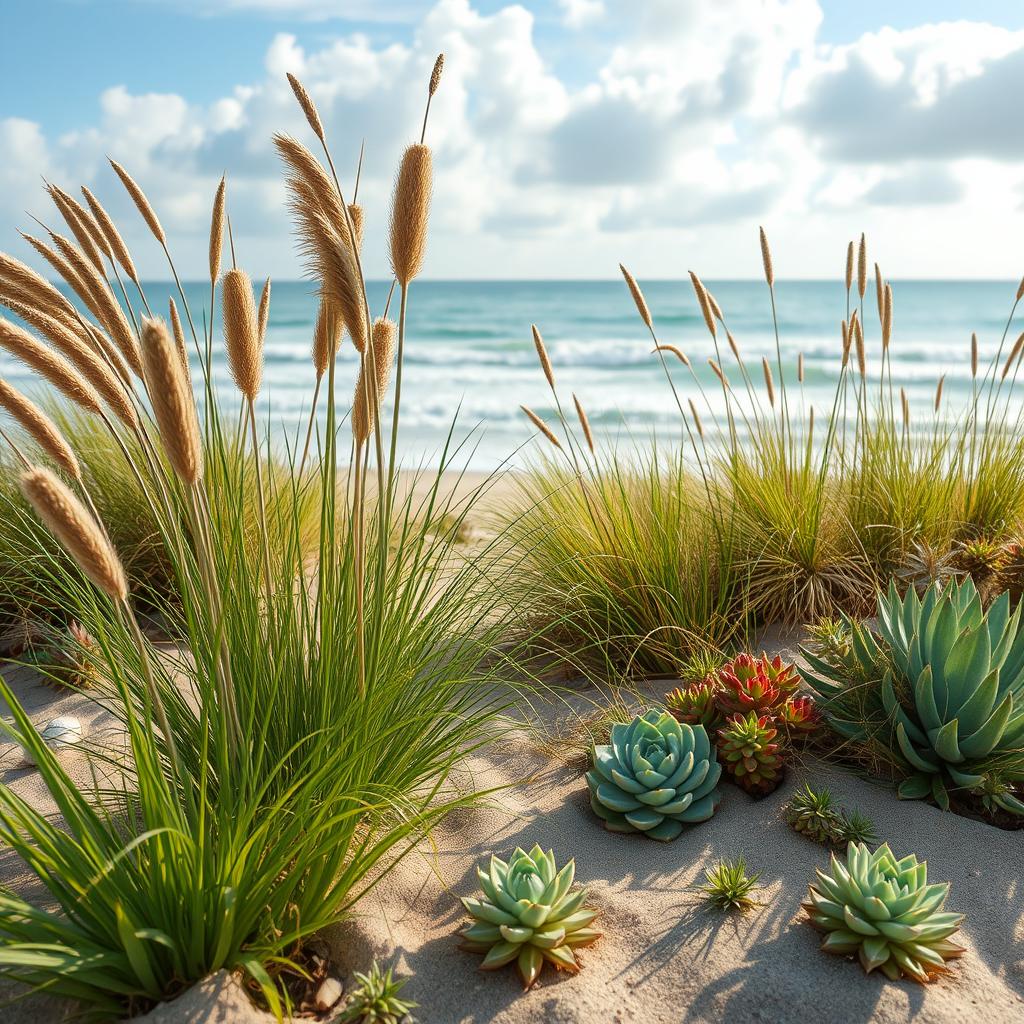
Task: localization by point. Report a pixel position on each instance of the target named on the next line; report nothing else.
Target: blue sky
(572, 131)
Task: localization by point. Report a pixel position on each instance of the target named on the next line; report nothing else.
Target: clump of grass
(729, 887)
(376, 1000)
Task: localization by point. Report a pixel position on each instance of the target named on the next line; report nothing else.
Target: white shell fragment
(59, 733)
(328, 993)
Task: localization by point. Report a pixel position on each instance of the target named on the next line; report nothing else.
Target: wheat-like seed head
(308, 107)
(719, 373)
(1018, 345)
(242, 333)
(142, 204)
(974, 354)
(542, 356)
(173, 404)
(435, 75)
(74, 216)
(846, 343)
(355, 214)
(584, 422)
(862, 266)
(733, 346)
(326, 337)
(879, 293)
(179, 339)
(849, 266)
(938, 392)
(112, 235)
(702, 300)
(217, 229)
(766, 259)
(800, 368)
(696, 419)
(319, 191)
(49, 365)
(83, 538)
(858, 332)
(366, 401)
(263, 314)
(769, 383)
(678, 353)
(638, 298)
(887, 317)
(409, 209)
(715, 308)
(21, 282)
(906, 407)
(540, 425)
(81, 355)
(40, 427)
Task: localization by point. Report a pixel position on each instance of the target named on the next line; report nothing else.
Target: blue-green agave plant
(940, 686)
(655, 776)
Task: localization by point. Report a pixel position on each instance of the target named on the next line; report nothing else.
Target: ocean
(470, 357)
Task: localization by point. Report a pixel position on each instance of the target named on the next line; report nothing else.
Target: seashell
(57, 734)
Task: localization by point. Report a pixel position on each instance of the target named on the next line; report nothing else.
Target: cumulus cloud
(699, 122)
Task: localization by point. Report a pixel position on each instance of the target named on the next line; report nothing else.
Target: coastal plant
(696, 704)
(812, 813)
(750, 752)
(655, 776)
(884, 911)
(939, 687)
(375, 999)
(528, 914)
(62, 656)
(307, 725)
(854, 827)
(755, 684)
(729, 887)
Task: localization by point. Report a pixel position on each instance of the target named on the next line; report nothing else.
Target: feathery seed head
(542, 355)
(938, 392)
(849, 266)
(974, 354)
(173, 404)
(584, 422)
(308, 107)
(702, 301)
(766, 259)
(435, 75)
(696, 419)
(326, 337)
(112, 235)
(179, 339)
(355, 214)
(886, 317)
(678, 353)
(241, 333)
(1018, 346)
(263, 314)
(40, 427)
(409, 210)
(768, 381)
(862, 266)
(879, 293)
(367, 400)
(141, 202)
(75, 528)
(217, 229)
(540, 425)
(638, 298)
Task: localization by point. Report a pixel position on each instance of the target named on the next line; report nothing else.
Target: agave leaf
(912, 755)
(549, 937)
(946, 743)
(562, 958)
(499, 954)
(925, 700)
(967, 666)
(528, 964)
(484, 911)
(975, 710)
(982, 741)
(873, 952)
(916, 787)
(515, 933)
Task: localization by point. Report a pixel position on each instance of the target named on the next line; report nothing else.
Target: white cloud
(699, 123)
(579, 13)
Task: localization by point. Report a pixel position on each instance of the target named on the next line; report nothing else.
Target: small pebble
(60, 732)
(328, 993)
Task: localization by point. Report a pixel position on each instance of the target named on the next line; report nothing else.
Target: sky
(568, 135)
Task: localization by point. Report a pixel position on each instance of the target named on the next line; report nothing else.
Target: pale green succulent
(527, 914)
(655, 776)
(375, 999)
(940, 687)
(884, 911)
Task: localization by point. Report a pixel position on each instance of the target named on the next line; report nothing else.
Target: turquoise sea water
(469, 351)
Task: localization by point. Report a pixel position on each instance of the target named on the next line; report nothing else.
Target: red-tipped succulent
(760, 684)
(748, 751)
(798, 715)
(696, 704)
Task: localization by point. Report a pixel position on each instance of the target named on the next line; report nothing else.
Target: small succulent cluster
(527, 914)
(751, 706)
(655, 776)
(728, 885)
(813, 813)
(375, 999)
(884, 911)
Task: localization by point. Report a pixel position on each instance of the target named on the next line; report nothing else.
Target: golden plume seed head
(1018, 345)
(241, 333)
(719, 373)
(938, 392)
(861, 355)
(696, 419)
(879, 292)
(702, 300)
(77, 531)
(326, 336)
(974, 354)
(142, 204)
(581, 415)
(678, 353)
(800, 368)
(49, 365)
(112, 235)
(410, 208)
(766, 259)
(540, 425)
(849, 266)
(308, 107)
(862, 266)
(846, 343)
(73, 217)
(217, 229)
(769, 383)
(179, 339)
(638, 298)
(174, 406)
(732, 344)
(369, 393)
(435, 75)
(542, 356)
(263, 313)
(40, 427)
(905, 406)
(355, 214)
(887, 317)
(715, 308)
